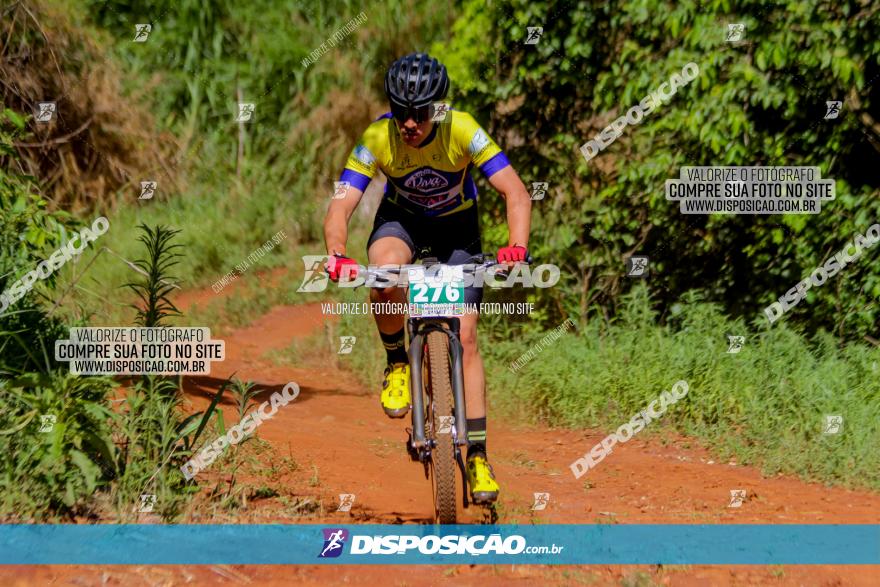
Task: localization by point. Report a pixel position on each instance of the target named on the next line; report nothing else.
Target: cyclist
(429, 209)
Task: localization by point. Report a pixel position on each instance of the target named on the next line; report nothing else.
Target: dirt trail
(339, 426)
(343, 443)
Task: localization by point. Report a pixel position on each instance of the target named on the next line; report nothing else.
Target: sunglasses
(419, 115)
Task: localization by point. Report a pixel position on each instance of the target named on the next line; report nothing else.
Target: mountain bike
(439, 427)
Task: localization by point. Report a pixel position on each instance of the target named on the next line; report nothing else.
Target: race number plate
(437, 294)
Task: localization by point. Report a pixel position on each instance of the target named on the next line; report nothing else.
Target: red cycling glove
(336, 267)
(512, 254)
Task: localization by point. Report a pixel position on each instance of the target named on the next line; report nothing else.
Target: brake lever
(505, 273)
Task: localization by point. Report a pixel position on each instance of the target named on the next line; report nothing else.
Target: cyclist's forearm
(519, 210)
(336, 221)
(335, 232)
(519, 204)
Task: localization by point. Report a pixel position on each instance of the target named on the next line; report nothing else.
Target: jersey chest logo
(426, 180)
(405, 163)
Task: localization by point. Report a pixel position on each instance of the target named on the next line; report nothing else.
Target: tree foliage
(758, 101)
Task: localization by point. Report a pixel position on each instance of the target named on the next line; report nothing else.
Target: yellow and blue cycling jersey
(432, 179)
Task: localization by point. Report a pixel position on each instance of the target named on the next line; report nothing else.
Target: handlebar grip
(528, 260)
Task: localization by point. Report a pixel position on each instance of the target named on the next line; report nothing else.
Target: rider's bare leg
(384, 251)
(474, 380)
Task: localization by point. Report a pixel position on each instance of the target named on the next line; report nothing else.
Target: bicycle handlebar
(483, 261)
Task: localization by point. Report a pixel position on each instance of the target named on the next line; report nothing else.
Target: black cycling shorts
(453, 239)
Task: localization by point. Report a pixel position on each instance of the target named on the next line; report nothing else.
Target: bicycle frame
(420, 327)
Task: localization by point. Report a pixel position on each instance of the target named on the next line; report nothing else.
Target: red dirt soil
(337, 433)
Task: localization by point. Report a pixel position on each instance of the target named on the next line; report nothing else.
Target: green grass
(764, 405)
(219, 228)
(216, 234)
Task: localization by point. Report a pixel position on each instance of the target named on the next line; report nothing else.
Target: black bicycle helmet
(415, 81)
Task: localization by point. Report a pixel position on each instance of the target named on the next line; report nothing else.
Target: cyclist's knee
(389, 251)
(468, 337)
(386, 294)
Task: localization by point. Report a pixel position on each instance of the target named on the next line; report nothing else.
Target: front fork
(418, 446)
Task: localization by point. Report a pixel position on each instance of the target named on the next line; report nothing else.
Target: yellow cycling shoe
(481, 478)
(395, 390)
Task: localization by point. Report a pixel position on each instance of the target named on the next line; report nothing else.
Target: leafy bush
(55, 472)
(758, 102)
(28, 233)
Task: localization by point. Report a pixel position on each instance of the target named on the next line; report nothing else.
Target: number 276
(421, 293)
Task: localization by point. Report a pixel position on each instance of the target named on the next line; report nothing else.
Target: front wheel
(441, 417)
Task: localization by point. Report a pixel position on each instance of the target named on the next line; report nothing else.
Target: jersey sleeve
(363, 161)
(475, 143)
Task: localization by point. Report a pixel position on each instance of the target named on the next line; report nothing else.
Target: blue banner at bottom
(556, 544)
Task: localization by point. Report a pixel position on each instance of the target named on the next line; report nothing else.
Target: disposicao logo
(334, 540)
(431, 544)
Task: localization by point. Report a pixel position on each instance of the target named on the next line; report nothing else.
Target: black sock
(476, 435)
(394, 347)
